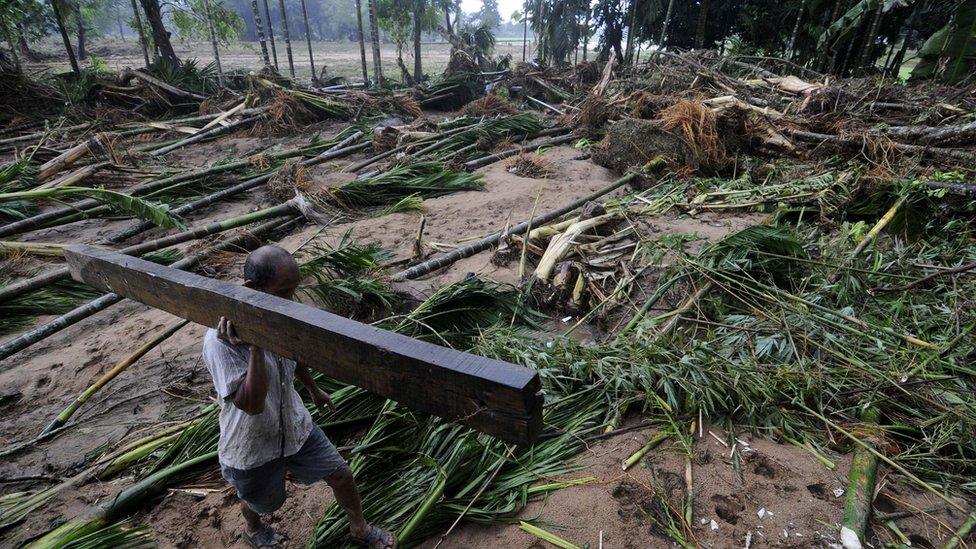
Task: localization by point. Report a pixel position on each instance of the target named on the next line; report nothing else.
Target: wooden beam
(495, 397)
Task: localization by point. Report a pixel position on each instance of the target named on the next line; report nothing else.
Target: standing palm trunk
(159, 33)
(64, 36)
(631, 30)
(274, 51)
(702, 23)
(418, 13)
(142, 35)
(864, 61)
(213, 41)
(362, 40)
(667, 23)
(284, 24)
(259, 30)
(308, 40)
(586, 33)
(10, 43)
(791, 48)
(375, 39)
(525, 28)
(80, 21)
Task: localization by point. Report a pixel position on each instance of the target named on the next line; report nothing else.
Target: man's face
(284, 283)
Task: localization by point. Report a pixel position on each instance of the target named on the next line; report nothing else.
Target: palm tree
(865, 58)
(790, 51)
(64, 36)
(259, 30)
(274, 51)
(419, 7)
(139, 29)
(284, 24)
(667, 23)
(213, 41)
(375, 39)
(308, 40)
(362, 40)
(159, 33)
(702, 23)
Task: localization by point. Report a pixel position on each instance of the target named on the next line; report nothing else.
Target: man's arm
(319, 397)
(251, 395)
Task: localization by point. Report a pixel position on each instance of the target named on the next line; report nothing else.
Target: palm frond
(425, 179)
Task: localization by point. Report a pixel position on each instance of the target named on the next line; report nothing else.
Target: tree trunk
(702, 24)
(375, 39)
(159, 32)
(80, 21)
(64, 36)
(259, 30)
(629, 51)
(826, 52)
(418, 12)
(894, 67)
(868, 49)
(447, 20)
(10, 42)
(586, 33)
(667, 23)
(213, 41)
(141, 32)
(362, 40)
(308, 40)
(796, 30)
(284, 25)
(118, 21)
(525, 28)
(271, 39)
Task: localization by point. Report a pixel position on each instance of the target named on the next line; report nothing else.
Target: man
(265, 429)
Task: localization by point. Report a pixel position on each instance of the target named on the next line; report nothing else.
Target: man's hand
(226, 332)
(322, 400)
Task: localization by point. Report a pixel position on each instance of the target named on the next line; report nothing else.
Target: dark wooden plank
(495, 397)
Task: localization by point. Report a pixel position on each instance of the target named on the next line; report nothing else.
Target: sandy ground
(797, 495)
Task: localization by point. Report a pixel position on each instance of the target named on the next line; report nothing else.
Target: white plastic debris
(748, 539)
(838, 492)
(849, 539)
(761, 512)
(713, 525)
(705, 521)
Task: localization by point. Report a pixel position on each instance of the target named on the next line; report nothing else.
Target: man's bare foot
(372, 537)
(264, 536)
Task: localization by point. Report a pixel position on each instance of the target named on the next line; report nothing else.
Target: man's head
(272, 270)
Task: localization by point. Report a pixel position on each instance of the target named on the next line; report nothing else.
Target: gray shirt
(248, 441)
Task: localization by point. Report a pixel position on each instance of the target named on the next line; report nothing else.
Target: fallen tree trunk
(469, 250)
(954, 154)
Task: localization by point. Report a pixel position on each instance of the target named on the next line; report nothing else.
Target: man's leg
(347, 496)
(252, 519)
(260, 490)
(318, 460)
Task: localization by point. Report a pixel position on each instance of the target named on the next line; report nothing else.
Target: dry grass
(530, 165)
(290, 177)
(286, 113)
(408, 105)
(697, 126)
(489, 105)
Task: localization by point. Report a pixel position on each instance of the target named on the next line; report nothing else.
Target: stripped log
(494, 397)
(860, 490)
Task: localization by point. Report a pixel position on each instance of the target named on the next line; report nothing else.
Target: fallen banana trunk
(559, 245)
(97, 145)
(473, 248)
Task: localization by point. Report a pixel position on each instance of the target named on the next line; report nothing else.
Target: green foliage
(191, 22)
(952, 48)
(427, 179)
(346, 277)
(187, 75)
(123, 203)
(54, 299)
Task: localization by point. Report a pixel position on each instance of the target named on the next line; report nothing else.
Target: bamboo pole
(492, 158)
(284, 27)
(860, 490)
(82, 312)
(473, 248)
(213, 41)
(66, 414)
(962, 533)
(559, 245)
(207, 134)
(35, 282)
(90, 207)
(651, 444)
